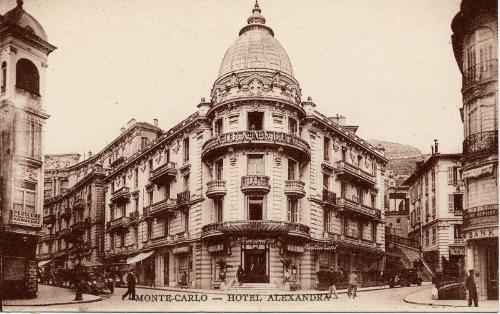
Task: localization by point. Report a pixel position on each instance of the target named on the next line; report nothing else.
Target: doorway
(492, 268)
(255, 266)
(165, 269)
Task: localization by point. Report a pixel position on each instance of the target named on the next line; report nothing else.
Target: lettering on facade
(481, 233)
(25, 218)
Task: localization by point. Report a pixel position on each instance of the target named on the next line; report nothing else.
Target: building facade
(24, 50)
(436, 209)
(397, 211)
(475, 38)
(255, 177)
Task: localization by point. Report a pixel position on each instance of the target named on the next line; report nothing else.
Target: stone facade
(475, 40)
(436, 209)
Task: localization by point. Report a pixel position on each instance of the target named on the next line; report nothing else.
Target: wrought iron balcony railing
(183, 198)
(255, 184)
(295, 188)
(357, 209)
(329, 197)
(118, 223)
(354, 173)
(261, 226)
(216, 189)
(49, 219)
(161, 208)
(480, 143)
(121, 195)
(164, 173)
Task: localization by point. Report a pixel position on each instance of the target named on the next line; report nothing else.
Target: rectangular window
(326, 149)
(122, 239)
(293, 211)
(255, 208)
(166, 226)
(149, 229)
(150, 166)
(255, 120)
(292, 126)
(167, 190)
(112, 240)
(136, 204)
(374, 232)
(434, 235)
(218, 127)
(144, 142)
(186, 149)
(427, 237)
(150, 197)
(360, 195)
(186, 182)
(292, 168)
(255, 165)
(185, 220)
(326, 181)
(343, 189)
(451, 203)
(25, 198)
(4, 78)
(457, 231)
(458, 202)
(219, 169)
(136, 177)
(374, 201)
(218, 210)
(345, 226)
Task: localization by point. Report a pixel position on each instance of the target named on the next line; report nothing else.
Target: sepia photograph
(249, 156)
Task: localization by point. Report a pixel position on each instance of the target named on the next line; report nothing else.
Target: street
(387, 300)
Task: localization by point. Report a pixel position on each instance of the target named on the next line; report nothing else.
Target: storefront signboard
(481, 233)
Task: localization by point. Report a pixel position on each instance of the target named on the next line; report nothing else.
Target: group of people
(334, 278)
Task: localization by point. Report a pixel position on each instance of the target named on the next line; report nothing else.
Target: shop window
(292, 169)
(27, 77)
(293, 211)
(255, 121)
(185, 145)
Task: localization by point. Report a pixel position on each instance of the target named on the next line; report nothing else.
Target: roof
(427, 164)
(21, 18)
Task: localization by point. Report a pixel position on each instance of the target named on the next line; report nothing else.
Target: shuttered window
(450, 175)
(451, 205)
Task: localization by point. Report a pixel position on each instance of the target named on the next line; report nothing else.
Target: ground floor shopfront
(273, 261)
(482, 256)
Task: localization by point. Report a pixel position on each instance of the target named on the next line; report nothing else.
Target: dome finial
(256, 7)
(20, 4)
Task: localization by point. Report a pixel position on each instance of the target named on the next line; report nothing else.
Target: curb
(405, 299)
(57, 303)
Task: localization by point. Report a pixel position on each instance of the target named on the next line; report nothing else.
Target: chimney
(436, 146)
(122, 129)
(90, 153)
(432, 150)
(381, 149)
(130, 122)
(155, 122)
(339, 119)
(308, 105)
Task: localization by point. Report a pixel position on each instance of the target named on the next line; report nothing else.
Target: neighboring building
(398, 210)
(23, 62)
(73, 217)
(436, 208)
(475, 38)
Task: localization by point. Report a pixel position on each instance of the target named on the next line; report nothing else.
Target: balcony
(117, 251)
(216, 189)
(122, 195)
(183, 199)
(163, 174)
(66, 214)
(329, 198)
(48, 237)
(295, 189)
(134, 217)
(80, 227)
(255, 184)
(118, 161)
(482, 143)
(354, 174)
(480, 72)
(49, 219)
(65, 233)
(359, 210)
(78, 205)
(291, 144)
(481, 215)
(249, 227)
(162, 208)
(118, 224)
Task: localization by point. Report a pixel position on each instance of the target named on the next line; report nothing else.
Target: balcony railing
(255, 184)
(480, 143)
(118, 223)
(480, 72)
(161, 208)
(79, 204)
(134, 217)
(458, 241)
(401, 240)
(164, 173)
(261, 226)
(480, 214)
(79, 227)
(66, 214)
(295, 188)
(354, 173)
(329, 198)
(293, 143)
(216, 189)
(49, 219)
(121, 195)
(354, 208)
(183, 198)
(118, 161)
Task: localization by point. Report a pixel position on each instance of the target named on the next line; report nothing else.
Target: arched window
(4, 77)
(27, 76)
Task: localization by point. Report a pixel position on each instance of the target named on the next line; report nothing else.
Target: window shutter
(450, 175)
(450, 203)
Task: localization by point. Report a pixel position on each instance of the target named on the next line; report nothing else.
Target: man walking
(470, 285)
(353, 285)
(333, 282)
(130, 285)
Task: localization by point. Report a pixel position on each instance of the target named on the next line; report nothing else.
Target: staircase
(410, 256)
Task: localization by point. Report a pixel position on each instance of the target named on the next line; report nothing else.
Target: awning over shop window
(478, 172)
(41, 263)
(139, 257)
(182, 249)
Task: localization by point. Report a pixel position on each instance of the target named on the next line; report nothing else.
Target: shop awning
(41, 263)
(139, 257)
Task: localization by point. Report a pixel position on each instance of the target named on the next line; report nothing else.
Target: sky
(387, 65)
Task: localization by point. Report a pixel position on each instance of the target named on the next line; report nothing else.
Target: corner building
(475, 40)
(253, 178)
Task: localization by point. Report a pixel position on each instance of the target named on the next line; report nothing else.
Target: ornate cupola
(256, 66)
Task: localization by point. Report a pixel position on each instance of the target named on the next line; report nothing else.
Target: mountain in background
(402, 159)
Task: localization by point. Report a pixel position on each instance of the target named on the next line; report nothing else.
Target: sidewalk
(424, 297)
(49, 295)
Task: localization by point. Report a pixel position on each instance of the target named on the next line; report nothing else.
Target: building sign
(20, 217)
(457, 250)
(216, 248)
(295, 248)
(179, 250)
(478, 172)
(271, 136)
(481, 233)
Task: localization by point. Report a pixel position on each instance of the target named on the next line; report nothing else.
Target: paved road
(389, 300)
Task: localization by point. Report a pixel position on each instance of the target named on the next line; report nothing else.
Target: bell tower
(24, 49)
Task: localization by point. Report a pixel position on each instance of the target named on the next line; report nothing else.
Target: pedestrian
(130, 286)
(353, 285)
(470, 285)
(333, 281)
(78, 277)
(239, 275)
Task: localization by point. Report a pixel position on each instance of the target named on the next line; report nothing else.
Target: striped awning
(41, 263)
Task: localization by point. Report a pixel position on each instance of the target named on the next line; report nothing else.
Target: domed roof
(256, 48)
(21, 18)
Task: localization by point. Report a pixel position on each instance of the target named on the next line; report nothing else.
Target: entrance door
(492, 267)
(165, 269)
(256, 266)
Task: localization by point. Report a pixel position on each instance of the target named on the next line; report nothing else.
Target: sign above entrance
(457, 250)
(216, 248)
(179, 250)
(481, 233)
